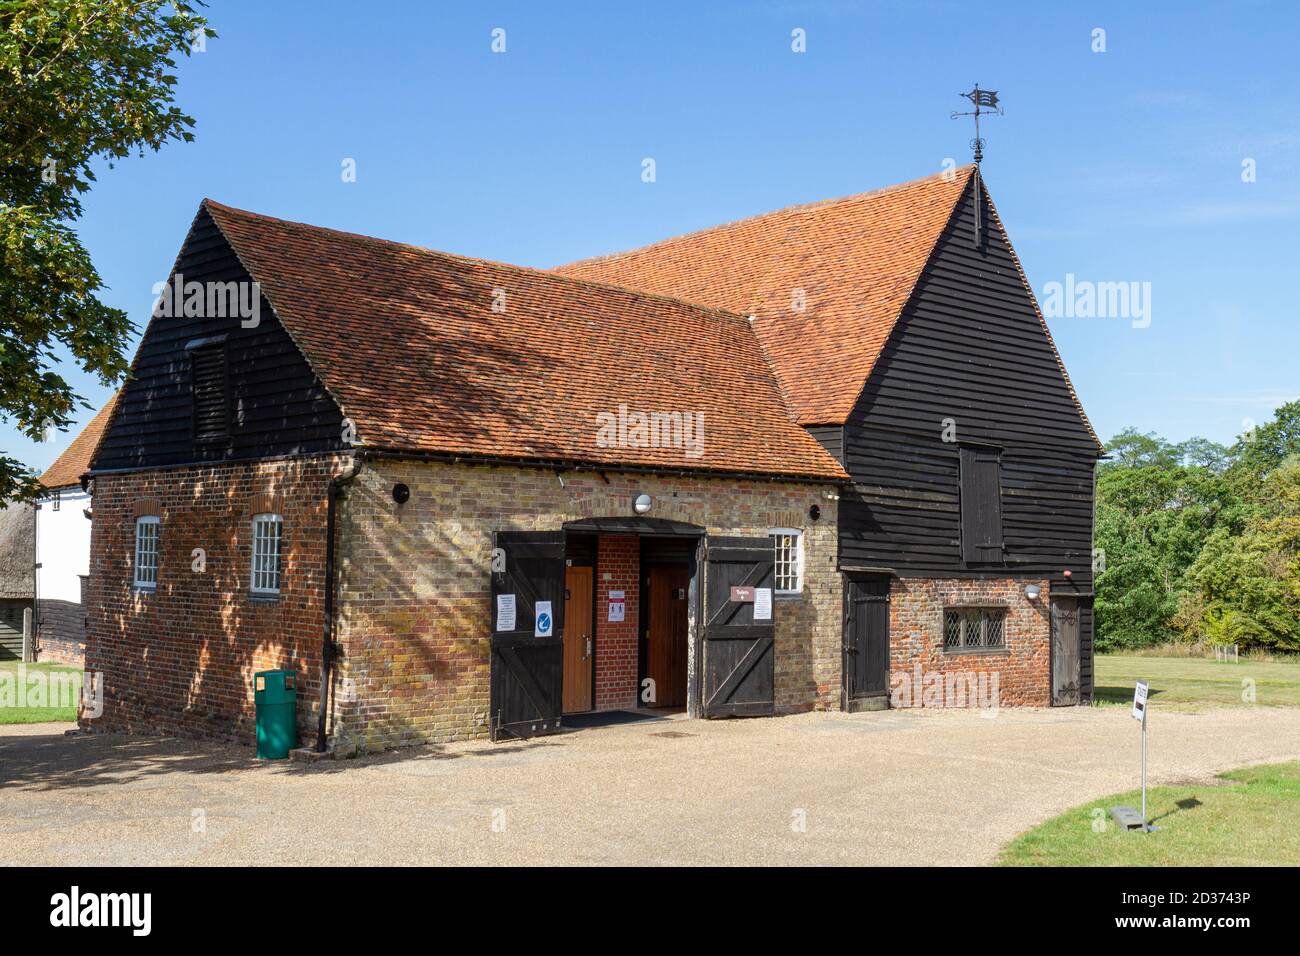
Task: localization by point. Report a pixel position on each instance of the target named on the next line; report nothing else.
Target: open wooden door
(527, 633)
(738, 672)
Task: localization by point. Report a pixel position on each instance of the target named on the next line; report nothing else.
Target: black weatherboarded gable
(968, 352)
(173, 409)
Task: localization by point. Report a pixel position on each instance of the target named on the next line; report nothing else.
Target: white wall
(62, 545)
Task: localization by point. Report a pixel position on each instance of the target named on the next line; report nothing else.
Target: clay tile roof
(73, 463)
(407, 342)
(856, 260)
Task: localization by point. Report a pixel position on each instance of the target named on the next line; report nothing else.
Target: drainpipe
(327, 643)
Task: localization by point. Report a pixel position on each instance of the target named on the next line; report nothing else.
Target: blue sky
(1122, 166)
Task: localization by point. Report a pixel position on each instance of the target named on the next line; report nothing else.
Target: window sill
(788, 595)
(144, 589)
(975, 651)
(263, 599)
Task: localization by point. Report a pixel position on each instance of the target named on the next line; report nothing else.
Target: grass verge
(1243, 818)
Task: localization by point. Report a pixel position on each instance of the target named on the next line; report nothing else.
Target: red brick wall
(181, 659)
(618, 568)
(1022, 670)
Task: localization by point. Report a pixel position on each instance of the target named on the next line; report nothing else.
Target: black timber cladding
(969, 356)
(277, 407)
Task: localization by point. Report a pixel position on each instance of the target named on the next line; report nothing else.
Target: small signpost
(1127, 817)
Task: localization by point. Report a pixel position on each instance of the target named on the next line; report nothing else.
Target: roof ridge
(784, 210)
(548, 274)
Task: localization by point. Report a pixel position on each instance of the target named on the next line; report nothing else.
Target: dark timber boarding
(969, 347)
(276, 405)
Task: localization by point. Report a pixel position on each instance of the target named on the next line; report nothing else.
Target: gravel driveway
(894, 787)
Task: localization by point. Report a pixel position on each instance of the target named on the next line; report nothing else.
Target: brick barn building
(754, 470)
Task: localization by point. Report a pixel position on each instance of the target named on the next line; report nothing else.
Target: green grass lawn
(1190, 683)
(1247, 819)
(11, 713)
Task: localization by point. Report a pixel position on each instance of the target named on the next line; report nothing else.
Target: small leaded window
(788, 554)
(974, 629)
(147, 528)
(266, 553)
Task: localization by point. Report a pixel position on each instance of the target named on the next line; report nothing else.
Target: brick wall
(916, 641)
(181, 659)
(414, 597)
(618, 561)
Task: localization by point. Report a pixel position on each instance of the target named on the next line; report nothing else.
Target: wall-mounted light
(814, 512)
(1032, 591)
(1068, 573)
(401, 493)
(641, 504)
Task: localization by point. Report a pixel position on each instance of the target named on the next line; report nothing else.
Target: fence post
(29, 655)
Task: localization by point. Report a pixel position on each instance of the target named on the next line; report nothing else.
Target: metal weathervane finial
(981, 98)
(988, 98)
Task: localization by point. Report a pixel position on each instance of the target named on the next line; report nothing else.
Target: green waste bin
(276, 696)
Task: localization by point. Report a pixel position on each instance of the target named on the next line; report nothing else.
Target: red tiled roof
(407, 342)
(856, 260)
(73, 463)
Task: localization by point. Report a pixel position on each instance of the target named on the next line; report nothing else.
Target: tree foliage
(1201, 542)
(81, 82)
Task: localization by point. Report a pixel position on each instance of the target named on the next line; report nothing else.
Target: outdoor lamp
(1032, 591)
(641, 504)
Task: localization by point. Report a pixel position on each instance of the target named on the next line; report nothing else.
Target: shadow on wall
(181, 659)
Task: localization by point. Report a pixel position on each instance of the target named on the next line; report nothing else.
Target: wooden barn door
(527, 669)
(866, 643)
(739, 650)
(1065, 651)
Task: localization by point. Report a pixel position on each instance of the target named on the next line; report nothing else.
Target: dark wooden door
(866, 641)
(1065, 651)
(579, 639)
(738, 672)
(527, 670)
(666, 641)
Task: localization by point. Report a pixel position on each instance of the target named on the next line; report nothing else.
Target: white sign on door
(505, 612)
(762, 604)
(543, 623)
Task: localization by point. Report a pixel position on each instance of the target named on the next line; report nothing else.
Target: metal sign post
(1127, 817)
(1140, 713)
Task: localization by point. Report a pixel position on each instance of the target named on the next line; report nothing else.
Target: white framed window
(787, 544)
(267, 529)
(56, 500)
(147, 530)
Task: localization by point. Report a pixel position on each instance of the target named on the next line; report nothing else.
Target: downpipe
(327, 643)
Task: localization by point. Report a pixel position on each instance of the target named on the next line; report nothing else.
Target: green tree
(81, 82)
(1201, 541)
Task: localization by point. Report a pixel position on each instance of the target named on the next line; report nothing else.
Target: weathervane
(988, 98)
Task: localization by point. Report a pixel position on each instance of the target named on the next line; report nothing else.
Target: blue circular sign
(544, 623)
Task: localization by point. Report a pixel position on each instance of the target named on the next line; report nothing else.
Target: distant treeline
(1199, 542)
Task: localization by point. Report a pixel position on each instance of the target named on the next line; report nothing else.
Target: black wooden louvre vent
(208, 376)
